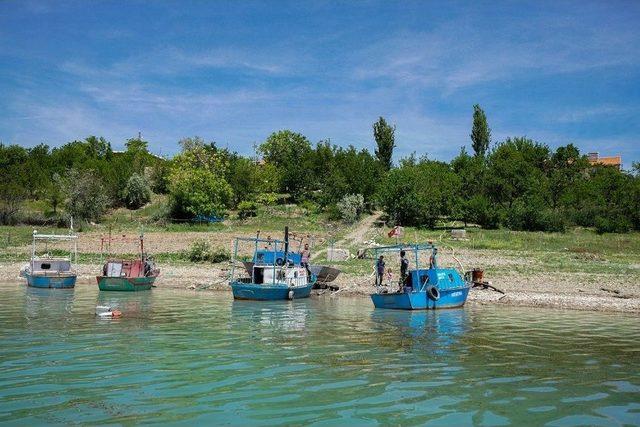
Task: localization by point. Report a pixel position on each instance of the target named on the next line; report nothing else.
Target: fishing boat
(51, 271)
(119, 274)
(274, 273)
(424, 288)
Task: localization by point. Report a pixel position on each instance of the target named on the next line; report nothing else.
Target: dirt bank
(597, 292)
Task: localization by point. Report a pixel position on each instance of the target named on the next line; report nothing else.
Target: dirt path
(357, 236)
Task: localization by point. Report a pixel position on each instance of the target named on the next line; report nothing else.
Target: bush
(482, 212)
(137, 192)
(201, 251)
(247, 209)
(350, 207)
(197, 192)
(87, 200)
(309, 207)
(162, 214)
(613, 224)
(532, 216)
(268, 199)
(417, 194)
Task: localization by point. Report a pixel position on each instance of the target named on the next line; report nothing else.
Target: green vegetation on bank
(516, 184)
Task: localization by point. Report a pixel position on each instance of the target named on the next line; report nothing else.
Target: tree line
(517, 183)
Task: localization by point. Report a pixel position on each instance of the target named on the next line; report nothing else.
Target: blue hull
(55, 282)
(268, 292)
(449, 298)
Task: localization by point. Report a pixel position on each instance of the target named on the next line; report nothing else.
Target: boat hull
(325, 274)
(449, 298)
(65, 281)
(125, 284)
(261, 292)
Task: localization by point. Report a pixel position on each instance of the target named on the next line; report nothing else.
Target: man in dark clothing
(379, 270)
(404, 269)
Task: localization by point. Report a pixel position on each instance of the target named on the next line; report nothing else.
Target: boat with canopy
(126, 274)
(47, 270)
(426, 286)
(274, 272)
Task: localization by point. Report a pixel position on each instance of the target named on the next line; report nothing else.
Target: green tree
(86, 198)
(471, 173)
(197, 184)
(480, 132)
(418, 194)
(291, 153)
(384, 135)
(198, 191)
(516, 168)
(137, 192)
(13, 181)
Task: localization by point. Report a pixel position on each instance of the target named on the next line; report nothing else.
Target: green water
(201, 358)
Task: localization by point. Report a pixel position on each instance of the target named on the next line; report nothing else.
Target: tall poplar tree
(480, 132)
(383, 133)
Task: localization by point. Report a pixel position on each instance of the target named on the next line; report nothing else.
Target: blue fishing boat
(274, 273)
(423, 288)
(50, 271)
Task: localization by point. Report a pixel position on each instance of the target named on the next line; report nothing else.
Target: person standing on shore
(379, 271)
(305, 255)
(404, 268)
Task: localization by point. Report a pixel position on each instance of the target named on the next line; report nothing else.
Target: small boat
(324, 273)
(48, 271)
(273, 274)
(427, 288)
(129, 275)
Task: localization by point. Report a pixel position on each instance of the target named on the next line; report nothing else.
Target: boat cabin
(50, 265)
(127, 268)
(270, 274)
(443, 278)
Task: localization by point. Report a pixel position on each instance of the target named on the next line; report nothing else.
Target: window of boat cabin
(45, 266)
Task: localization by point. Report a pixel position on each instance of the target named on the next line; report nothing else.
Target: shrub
(309, 207)
(87, 200)
(137, 192)
(482, 212)
(201, 251)
(528, 215)
(247, 209)
(613, 224)
(268, 199)
(350, 207)
(198, 192)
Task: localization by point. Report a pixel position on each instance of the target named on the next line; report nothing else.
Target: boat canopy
(52, 238)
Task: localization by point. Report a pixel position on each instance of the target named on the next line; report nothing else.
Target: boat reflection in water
(42, 303)
(272, 315)
(439, 332)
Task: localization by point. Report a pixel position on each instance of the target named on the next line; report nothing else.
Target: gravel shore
(577, 291)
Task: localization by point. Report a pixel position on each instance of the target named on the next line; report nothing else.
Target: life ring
(433, 293)
(279, 262)
(290, 294)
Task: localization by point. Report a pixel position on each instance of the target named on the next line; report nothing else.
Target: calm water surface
(184, 358)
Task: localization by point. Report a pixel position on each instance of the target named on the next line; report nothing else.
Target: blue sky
(234, 72)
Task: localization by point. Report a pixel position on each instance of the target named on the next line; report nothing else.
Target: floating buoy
(290, 294)
(104, 311)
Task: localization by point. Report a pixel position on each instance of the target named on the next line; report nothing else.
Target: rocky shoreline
(559, 291)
